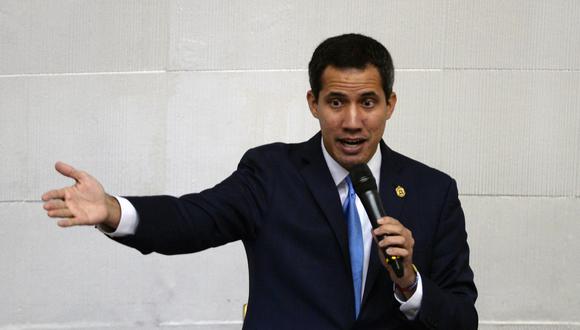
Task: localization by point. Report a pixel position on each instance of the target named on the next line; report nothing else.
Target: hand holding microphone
(366, 188)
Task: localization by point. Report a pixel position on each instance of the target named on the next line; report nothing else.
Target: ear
(312, 103)
(391, 101)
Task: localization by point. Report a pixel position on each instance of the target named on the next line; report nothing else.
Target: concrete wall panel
(110, 125)
(230, 35)
(421, 35)
(523, 248)
(80, 278)
(444, 119)
(497, 132)
(520, 34)
(66, 36)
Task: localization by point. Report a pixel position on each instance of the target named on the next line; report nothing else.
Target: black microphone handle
(374, 207)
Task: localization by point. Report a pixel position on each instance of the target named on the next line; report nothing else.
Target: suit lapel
(393, 205)
(319, 180)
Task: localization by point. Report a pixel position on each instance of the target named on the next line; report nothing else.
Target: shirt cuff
(129, 220)
(411, 306)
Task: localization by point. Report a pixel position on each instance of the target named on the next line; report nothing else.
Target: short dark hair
(351, 51)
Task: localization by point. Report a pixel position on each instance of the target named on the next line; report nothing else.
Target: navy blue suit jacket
(283, 204)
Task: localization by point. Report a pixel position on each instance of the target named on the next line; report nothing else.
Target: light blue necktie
(355, 243)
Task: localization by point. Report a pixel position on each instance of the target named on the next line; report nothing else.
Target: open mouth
(352, 141)
(351, 144)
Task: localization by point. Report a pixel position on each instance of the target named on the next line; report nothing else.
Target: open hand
(84, 203)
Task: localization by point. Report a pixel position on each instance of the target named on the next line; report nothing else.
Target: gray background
(163, 97)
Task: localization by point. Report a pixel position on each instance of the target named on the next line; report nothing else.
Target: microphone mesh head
(362, 178)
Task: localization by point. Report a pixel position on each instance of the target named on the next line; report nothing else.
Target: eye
(335, 103)
(368, 103)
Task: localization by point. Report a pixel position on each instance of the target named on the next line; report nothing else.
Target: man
(311, 260)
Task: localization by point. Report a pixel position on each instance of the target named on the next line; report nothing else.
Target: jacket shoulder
(278, 152)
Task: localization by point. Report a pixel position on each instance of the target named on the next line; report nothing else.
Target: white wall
(164, 96)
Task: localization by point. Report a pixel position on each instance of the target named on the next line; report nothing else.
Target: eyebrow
(369, 94)
(336, 94)
(342, 95)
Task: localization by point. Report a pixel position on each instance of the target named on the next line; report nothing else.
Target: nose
(352, 120)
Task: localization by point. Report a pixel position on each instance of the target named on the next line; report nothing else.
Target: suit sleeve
(449, 292)
(227, 212)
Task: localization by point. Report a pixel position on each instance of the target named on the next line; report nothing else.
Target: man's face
(352, 110)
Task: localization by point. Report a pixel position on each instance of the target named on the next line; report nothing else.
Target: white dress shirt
(130, 220)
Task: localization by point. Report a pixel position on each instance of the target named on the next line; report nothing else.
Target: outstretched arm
(84, 203)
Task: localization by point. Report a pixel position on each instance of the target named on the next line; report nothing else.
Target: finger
(68, 171)
(387, 220)
(66, 222)
(54, 204)
(54, 194)
(60, 213)
(392, 241)
(398, 252)
(389, 229)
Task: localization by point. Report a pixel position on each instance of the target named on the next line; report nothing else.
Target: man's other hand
(84, 203)
(398, 242)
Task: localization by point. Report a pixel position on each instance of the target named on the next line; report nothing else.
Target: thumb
(67, 170)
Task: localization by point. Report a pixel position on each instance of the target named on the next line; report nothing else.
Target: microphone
(365, 187)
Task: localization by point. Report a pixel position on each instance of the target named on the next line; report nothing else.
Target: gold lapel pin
(400, 191)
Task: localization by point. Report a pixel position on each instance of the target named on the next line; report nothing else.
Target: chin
(348, 162)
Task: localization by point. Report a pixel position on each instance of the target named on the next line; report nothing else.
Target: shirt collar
(339, 173)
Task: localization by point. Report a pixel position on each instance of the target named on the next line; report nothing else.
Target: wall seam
(447, 69)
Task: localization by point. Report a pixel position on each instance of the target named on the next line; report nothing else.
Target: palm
(87, 201)
(84, 203)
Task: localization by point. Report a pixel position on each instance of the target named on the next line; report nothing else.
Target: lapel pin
(400, 191)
